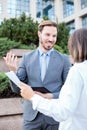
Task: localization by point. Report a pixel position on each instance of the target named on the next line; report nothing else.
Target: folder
(41, 89)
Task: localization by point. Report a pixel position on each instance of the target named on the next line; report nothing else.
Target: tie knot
(44, 54)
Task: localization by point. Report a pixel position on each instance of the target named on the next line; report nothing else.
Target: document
(12, 76)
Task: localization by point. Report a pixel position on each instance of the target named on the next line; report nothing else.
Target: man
(70, 108)
(30, 71)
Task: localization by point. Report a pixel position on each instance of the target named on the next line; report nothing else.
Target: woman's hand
(45, 95)
(26, 91)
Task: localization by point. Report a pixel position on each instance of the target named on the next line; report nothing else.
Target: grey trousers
(39, 123)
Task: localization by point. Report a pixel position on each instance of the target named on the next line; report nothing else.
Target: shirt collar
(41, 52)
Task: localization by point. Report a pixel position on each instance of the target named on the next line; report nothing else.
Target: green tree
(22, 29)
(63, 35)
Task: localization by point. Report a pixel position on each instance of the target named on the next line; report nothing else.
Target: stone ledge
(11, 123)
(11, 114)
(20, 52)
(10, 106)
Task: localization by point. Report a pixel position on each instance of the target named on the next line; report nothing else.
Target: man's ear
(39, 33)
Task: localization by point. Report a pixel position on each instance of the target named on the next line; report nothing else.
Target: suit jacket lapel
(36, 64)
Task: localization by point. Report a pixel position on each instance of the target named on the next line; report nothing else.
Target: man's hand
(11, 61)
(46, 95)
(26, 91)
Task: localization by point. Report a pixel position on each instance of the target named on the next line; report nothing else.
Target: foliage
(58, 48)
(6, 44)
(63, 35)
(4, 82)
(22, 29)
(45, 17)
(5, 89)
(30, 47)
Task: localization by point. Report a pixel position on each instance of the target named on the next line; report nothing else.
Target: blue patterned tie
(43, 68)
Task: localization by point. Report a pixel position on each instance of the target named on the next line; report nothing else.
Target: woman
(70, 108)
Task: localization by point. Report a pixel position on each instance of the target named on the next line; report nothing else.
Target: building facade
(72, 12)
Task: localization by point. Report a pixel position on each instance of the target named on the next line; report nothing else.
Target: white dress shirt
(71, 107)
(48, 56)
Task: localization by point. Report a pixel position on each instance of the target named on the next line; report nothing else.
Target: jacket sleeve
(64, 107)
(66, 68)
(21, 74)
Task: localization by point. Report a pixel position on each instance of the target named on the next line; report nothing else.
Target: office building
(72, 12)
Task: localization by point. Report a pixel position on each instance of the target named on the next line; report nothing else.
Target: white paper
(12, 76)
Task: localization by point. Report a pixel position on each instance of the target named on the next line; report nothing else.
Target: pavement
(11, 114)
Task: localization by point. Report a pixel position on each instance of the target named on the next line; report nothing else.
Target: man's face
(47, 37)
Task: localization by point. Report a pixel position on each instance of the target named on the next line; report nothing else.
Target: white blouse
(71, 107)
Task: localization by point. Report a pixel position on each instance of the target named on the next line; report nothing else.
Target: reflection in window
(45, 8)
(17, 7)
(0, 21)
(0, 8)
(83, 3)
(51, 13)
(68, 7)
(39, 7)
(71, 26)
(84, 21)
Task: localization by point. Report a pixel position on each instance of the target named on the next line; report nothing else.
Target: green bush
(5, 89)
(22, 29)
(63, 35)
(4, 82)
(58, 48)
(6, 45)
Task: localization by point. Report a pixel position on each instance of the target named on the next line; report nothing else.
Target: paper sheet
(12, 76)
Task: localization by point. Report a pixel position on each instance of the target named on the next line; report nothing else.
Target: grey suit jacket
(29, 72)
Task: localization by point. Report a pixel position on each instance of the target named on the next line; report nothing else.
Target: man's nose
(50, 38)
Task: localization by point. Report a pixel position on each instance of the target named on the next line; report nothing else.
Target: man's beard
(48, 47)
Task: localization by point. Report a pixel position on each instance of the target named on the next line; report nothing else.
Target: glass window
(83, 3)
(45, 9)
(71, 26)
(84, 21)
(0, 8)
(39, 8)
(68, 7)
(17, 7)
(51, 13)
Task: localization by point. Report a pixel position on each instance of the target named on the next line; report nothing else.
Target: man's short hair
(46, 23)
